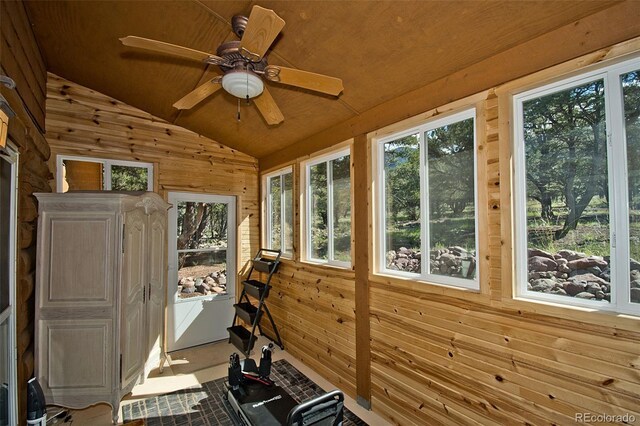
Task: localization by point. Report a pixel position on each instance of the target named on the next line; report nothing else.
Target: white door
(202, 268)
(8, 190)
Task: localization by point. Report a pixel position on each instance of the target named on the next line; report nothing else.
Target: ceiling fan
(244, 65)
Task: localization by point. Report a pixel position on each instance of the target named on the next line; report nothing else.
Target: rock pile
(445, 261)
(574, 274)
(213, 283)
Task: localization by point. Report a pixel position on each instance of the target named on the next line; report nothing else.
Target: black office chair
(324, 410)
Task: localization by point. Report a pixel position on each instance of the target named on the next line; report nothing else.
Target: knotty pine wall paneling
(443, 356)
(82, 122)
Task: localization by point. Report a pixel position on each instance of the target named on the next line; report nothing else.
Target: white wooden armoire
(100, 294)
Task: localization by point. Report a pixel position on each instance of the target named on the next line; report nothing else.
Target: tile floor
(189, 368)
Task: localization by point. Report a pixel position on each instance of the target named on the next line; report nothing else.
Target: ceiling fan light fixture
(242, 84)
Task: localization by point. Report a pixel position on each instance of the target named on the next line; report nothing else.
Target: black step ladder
(266, 261)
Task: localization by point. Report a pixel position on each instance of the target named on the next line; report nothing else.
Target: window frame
(107, 164)
(267, 216)
(11, 155)
(306, 231)
(421, 129)
(616, 145)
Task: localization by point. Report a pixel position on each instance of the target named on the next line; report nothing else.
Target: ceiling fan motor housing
(239, 24)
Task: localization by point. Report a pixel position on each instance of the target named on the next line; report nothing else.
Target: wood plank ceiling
(380, 49)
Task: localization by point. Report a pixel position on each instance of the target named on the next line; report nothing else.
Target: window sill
(528, 307)
(341, 267)
(419, 279)
(421, 286)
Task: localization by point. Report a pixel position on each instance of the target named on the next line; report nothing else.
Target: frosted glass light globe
(242, 84)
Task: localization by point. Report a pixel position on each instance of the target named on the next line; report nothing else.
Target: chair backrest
(324, 410)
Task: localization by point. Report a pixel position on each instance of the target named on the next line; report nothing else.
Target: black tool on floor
(254, 399)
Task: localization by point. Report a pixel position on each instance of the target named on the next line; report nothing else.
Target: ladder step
(247, 312)
(241, 338)
(256, 288)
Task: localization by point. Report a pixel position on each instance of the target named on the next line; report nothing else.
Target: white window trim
(307, 197)
(10, 154)
(424, 202)
(268, 225)
(618, 183)
(107, 163)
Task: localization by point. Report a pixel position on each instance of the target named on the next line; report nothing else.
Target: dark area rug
(206, 406)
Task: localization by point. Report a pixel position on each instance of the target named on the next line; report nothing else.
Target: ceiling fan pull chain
(238, 117)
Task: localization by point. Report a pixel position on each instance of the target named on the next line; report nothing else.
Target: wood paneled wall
(441, 356)
(82, 122)
(20, 60)
(447, 356)
(314, 310)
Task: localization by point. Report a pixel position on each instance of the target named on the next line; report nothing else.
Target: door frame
(10, 155)
(172, 268)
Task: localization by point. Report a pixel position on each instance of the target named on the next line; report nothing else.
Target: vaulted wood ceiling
(380, 49)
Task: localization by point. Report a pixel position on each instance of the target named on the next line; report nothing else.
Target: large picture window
(328, 209)
(577, 148)
(278, 220)
(96, 174)
(427, 202)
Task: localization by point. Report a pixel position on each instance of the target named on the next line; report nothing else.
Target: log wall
(21, 60)
(82, 122)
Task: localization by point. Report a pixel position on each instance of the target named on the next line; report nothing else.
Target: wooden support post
(360, 207)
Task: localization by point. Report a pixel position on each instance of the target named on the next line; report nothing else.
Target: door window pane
(402, 204)
(451, 194)
(631, 93)
(567, 193)
(319, 244)
(341, 194)
(202, 249)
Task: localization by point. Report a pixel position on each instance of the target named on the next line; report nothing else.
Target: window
(578, 190)
(202, 257)
(94, 174)
(8, 380)
(427, 202)
(278, 190)
(328, 209)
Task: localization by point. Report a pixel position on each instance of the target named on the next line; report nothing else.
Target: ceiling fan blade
(305, 79)
(199, 94)
(262, 29)
(268, 108)
(168, 48)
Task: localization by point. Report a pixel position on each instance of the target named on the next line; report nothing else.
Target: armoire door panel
(70, 368)
(79, 271)
(132, 337)
(157, 273)
(135, 253)
(92, 322)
